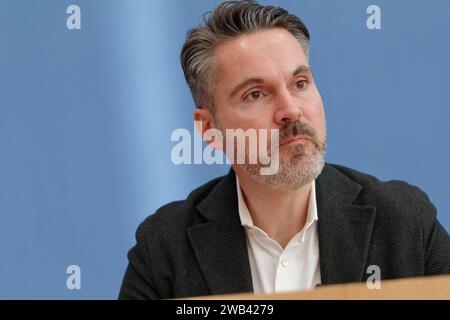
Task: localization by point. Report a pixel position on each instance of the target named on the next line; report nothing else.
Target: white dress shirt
(274, 269)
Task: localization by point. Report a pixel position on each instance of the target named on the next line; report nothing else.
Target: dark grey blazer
(197, 246)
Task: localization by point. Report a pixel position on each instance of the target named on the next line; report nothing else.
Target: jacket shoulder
(390, 194)
(399, 189)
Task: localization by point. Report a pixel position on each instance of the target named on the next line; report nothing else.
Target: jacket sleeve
(437, 242)
(138, 282)
(437, 260)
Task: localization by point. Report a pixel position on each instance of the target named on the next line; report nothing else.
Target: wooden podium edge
(422, 288)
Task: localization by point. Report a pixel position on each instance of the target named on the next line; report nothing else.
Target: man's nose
(287, 107)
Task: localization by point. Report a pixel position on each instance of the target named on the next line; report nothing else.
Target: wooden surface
(435, 287)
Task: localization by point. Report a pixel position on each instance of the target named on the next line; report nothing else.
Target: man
(309, 223)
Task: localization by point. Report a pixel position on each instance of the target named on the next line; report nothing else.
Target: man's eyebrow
(245, 83)
(249, 81)
(302, 69)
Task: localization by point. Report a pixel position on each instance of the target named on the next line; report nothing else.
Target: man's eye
(254, 95)
(301, 84)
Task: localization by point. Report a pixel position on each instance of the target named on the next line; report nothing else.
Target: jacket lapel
(219, 244)
(345, 228)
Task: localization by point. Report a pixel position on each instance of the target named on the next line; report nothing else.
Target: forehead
(266, 54)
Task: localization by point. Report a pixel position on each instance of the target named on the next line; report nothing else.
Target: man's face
(264, 82)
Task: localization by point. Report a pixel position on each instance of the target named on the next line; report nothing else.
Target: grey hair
(228, 20)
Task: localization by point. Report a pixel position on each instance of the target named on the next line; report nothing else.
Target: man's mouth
(295, 139)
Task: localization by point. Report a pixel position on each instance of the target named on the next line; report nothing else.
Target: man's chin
(296, 169)
(295, 157)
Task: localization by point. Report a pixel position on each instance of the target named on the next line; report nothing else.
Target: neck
(281, 214)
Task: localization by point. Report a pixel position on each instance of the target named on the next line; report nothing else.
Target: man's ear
(206, 127)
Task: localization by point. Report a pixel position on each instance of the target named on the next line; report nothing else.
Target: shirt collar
(246, 218)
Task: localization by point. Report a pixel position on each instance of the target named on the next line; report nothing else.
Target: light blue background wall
(86, 117)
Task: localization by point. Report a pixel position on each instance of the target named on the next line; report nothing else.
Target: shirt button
(284, 262)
